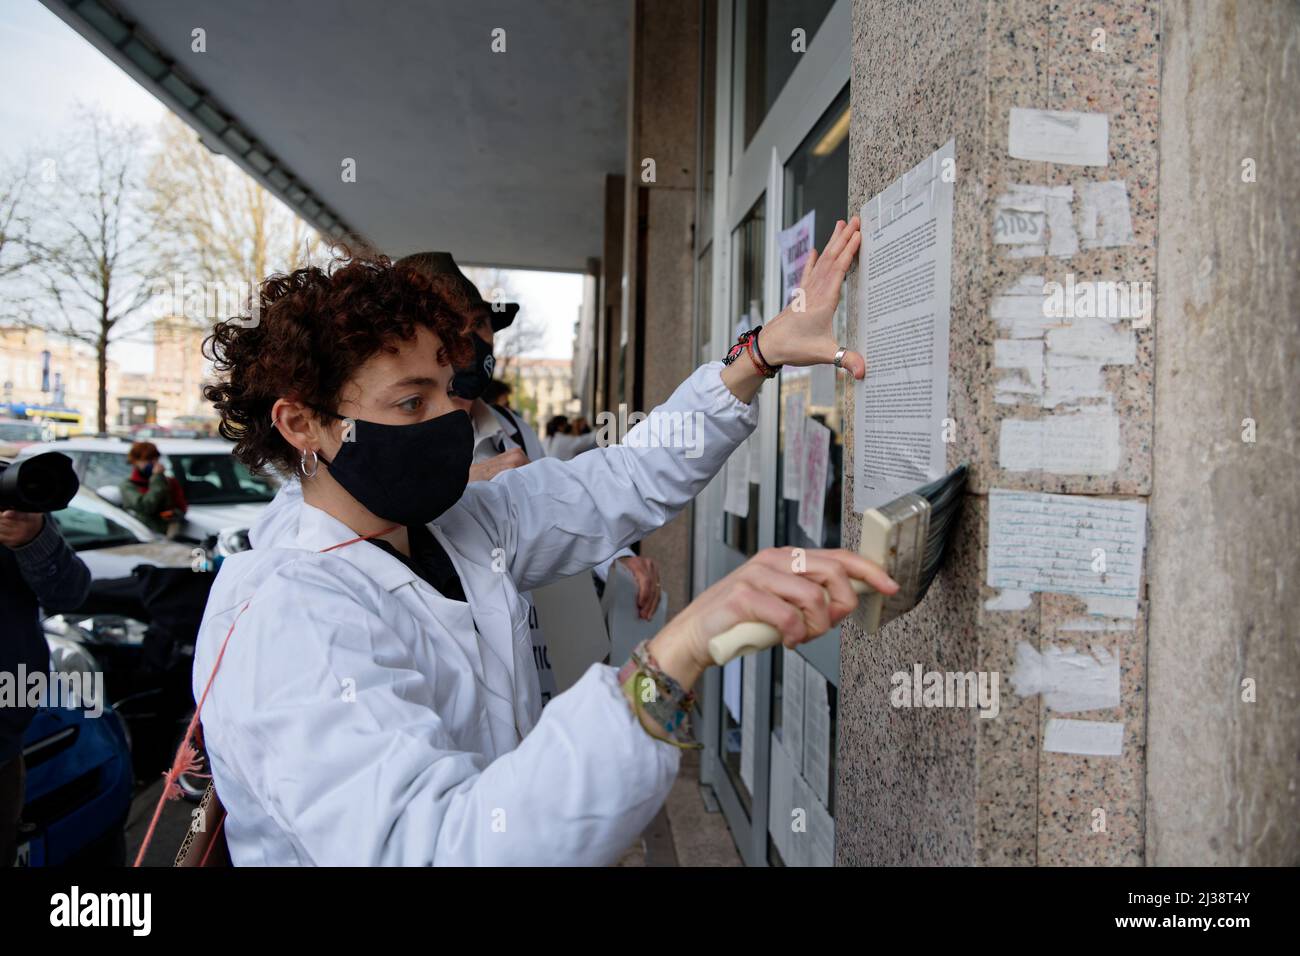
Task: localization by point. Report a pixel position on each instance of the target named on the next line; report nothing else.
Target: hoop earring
(315, 464)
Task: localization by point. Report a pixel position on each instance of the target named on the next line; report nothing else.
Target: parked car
(79, 776)
(221, 492)
(112, 542)
(151, 432)
(139, 622)
(16, 434)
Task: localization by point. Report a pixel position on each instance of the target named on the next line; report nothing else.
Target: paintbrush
(908, 537)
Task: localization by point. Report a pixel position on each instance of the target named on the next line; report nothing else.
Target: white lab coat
(492, 436)
(361, 718)
(493, 431)
(566, 447)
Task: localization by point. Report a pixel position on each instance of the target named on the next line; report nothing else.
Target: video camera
(38, 484)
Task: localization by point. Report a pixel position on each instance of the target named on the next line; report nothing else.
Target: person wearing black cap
(503, 440)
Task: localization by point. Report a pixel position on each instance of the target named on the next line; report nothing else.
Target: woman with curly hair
(364, 673)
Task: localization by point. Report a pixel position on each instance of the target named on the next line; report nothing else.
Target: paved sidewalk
(685, 833)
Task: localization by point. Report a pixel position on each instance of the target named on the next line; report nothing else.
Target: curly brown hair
(312, 329)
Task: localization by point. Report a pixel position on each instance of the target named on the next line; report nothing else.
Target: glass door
(816, 182)
(771, 100)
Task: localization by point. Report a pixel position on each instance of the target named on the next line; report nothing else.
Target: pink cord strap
(187, 754)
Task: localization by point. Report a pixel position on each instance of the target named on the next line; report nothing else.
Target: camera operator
(37, 569)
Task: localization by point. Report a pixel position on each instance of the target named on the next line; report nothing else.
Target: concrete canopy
(498, 157)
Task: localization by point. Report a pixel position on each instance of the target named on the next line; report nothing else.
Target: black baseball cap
(441, 263)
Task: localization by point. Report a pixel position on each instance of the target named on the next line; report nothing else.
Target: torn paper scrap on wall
(1090, 738)
(1083, 443)
(1009, 600)
(1059, 136)
(1082, 545)
(1104, 218)
(1065, 382)
(1036, 220)
(1092, 624)
(1018, 309)
(1031, 220)
(1105, 605)
(1069, 679)
(1074, 358)
(1023, 361)
(1089, 341)
(1056, 352)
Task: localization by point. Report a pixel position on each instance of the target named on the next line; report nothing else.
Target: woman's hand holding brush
(788, 595)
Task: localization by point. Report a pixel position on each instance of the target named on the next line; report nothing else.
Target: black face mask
(471, 381)
(407, 474)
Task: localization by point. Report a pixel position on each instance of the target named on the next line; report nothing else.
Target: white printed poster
(748, 708)
(904, 296)
(792, 420)
(795, 245)
(817, 734)
(816, 457)
(792, 686)
(731, 687)
(780, 797)
(736, 478)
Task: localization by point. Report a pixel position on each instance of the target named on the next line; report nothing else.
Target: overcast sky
(46, 68)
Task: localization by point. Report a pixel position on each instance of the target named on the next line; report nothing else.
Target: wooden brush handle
(751, 636)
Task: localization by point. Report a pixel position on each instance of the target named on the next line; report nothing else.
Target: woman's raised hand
(802, 334)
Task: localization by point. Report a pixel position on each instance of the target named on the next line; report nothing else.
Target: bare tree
(13, 232)
(521, 336)
(90, 240)
(15, 251)
(214, 225)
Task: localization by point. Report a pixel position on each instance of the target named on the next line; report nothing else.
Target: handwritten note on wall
(1070, 544)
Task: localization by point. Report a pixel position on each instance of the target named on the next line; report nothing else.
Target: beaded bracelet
(668, 704)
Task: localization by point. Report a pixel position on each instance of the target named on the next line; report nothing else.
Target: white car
(224, 497)
(110, 542)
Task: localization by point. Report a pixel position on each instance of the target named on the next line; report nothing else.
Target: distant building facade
(543, 388)
(41, 368)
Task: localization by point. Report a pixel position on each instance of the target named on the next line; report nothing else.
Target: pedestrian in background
(149, 493)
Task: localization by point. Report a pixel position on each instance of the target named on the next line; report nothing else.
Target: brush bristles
(945, 496)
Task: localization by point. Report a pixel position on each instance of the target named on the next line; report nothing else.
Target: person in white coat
(503, 440)
(364, 673)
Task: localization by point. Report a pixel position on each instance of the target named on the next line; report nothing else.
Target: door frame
(740, 178)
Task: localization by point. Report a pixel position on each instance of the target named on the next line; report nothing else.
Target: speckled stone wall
(942, 785)
(1223, 765)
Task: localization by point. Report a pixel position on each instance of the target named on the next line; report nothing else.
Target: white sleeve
(378, 780)
(602, 570)
(536, 451)
(532, 443)
(557, 518)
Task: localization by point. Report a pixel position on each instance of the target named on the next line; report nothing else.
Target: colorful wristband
(654, 694)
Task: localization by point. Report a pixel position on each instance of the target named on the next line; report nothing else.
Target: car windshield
(219, 480)
(85, 530)
(19, 431)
